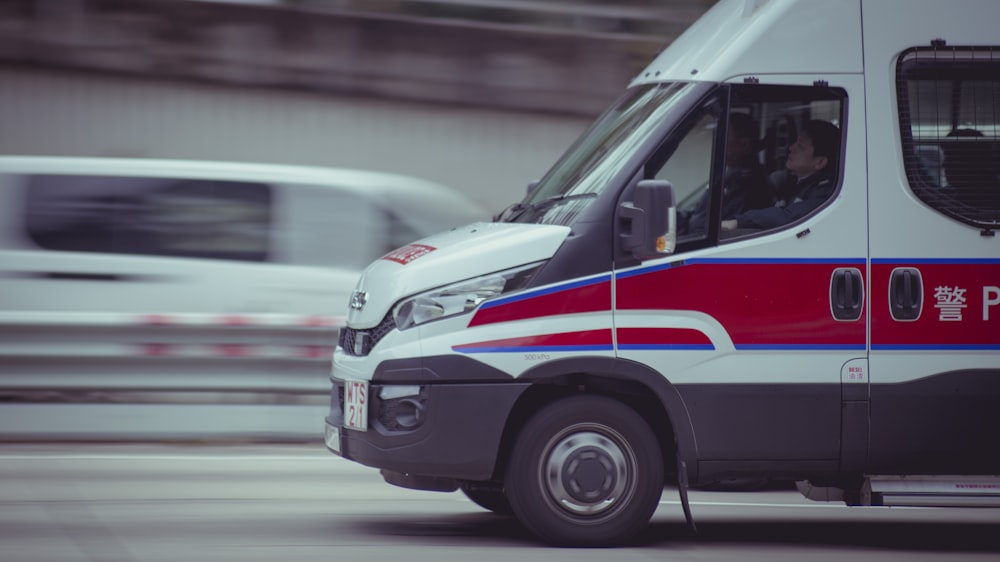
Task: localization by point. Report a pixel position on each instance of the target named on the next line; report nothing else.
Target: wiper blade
(509, 212)
(551, 201)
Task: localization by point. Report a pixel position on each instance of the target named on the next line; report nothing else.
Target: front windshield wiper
(550, 202)
(509, 212)
(515, 210)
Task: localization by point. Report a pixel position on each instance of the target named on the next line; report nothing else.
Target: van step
(938, 491)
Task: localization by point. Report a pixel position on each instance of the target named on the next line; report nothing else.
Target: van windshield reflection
(592, 162)
(538, 208)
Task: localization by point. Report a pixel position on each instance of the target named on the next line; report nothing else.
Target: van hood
(448, 257)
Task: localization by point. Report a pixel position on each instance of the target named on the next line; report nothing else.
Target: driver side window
(689, 169)
(768, 160)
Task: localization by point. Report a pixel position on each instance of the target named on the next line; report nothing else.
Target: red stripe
(232, 350)
(155, 349)
(589, 298)
(156, 319)
(757, 303)
(930, 328)
(315, 351)
(236, 320)
(661, 336)
(317, 321)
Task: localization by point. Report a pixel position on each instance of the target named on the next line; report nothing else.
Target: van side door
(935, 291)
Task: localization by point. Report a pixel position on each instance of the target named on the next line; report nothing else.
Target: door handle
(905, 293)
(847, 293)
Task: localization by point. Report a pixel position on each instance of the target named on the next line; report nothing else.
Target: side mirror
(653, 219)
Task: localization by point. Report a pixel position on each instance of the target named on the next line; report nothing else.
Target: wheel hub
(586, 472)
(589, 474)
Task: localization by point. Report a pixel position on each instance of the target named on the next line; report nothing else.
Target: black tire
(489, 496)
(585, 471)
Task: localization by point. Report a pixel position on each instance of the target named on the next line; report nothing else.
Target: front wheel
(585, 471)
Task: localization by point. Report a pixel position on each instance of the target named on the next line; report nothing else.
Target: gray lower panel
(765, 422)
(945, 424)
(459, 436)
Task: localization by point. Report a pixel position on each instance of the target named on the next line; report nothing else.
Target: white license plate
(333, 438)
(356, 405)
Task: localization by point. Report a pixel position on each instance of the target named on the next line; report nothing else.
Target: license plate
(333, 438)
(356, 405)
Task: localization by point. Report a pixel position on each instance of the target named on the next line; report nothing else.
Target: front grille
(359, 343)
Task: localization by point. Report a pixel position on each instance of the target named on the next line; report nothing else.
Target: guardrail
(249, 336)
(113, 376)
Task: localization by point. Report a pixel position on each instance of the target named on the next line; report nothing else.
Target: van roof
(752, 37)
(736, 39)
(349, 178)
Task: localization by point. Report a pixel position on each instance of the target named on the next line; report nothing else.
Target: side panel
(935, 301)
(936, 377)
(751, 345)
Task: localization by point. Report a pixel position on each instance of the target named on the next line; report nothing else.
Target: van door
(935, 291)
(757, 326)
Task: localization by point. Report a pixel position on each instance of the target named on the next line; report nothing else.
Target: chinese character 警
(950, 302)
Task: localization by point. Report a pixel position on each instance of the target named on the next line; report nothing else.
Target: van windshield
(589, 165)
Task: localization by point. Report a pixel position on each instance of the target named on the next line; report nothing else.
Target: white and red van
(595, 343)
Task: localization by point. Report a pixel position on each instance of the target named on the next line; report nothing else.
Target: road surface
(290, 503)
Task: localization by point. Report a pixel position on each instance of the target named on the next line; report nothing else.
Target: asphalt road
(297, 502)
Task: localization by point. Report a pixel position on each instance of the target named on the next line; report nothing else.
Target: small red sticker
(408, 253)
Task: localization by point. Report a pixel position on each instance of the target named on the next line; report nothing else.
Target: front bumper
(458, 435)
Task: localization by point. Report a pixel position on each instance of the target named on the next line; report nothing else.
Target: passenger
(812, 166)
(971, 171)
(744, 183)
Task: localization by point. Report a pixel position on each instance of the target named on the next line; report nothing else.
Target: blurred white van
(153, 236)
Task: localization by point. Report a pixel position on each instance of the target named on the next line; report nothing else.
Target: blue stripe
(943, 261)
(801, 347)
(534, 349)
(936, 347)
(667, 346)
(661, 267)
(743, 347)
(741, 261)
(775, 260)
(543, 292)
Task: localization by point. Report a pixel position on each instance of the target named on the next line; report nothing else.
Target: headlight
(461, 297)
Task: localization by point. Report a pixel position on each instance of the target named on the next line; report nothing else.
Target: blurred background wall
(481, 95)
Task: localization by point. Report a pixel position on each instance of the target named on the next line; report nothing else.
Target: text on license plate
(356, 405)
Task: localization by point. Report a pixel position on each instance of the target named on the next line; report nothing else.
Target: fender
(626, 370)
(454, 369)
